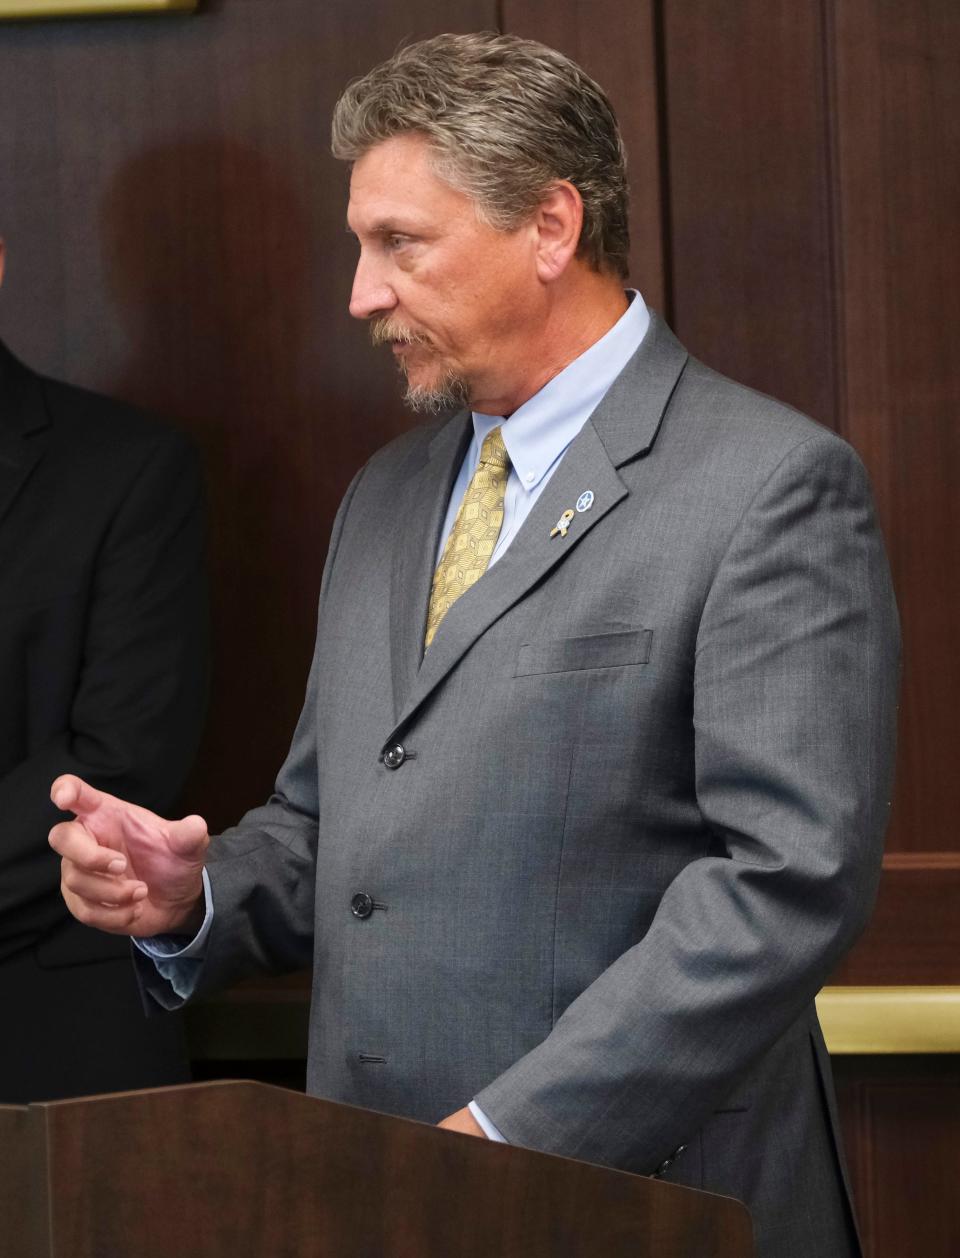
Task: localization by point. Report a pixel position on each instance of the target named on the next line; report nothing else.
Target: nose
(371, 294)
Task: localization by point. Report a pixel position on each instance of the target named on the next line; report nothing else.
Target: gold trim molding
(86, 8)
(890, 1019)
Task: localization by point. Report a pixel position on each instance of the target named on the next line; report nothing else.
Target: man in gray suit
(588, 793)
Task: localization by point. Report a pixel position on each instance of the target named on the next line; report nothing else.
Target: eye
(395, 241)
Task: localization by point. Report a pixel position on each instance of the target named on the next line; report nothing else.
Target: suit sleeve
(137, 710)
(794, 680)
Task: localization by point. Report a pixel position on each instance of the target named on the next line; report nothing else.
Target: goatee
(450, 394)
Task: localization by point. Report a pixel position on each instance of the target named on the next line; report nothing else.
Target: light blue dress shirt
(536, 437)
(177, 962)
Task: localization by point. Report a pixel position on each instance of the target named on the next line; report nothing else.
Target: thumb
(72, 794)
(188, 838)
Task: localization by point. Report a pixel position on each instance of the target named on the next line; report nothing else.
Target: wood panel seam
(834, 218)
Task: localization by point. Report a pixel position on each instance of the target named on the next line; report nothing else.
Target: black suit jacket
(103, 659)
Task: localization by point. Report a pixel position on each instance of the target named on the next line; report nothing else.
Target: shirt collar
(539, 431)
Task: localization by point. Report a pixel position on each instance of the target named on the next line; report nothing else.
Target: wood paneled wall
(901, 1116)
(175, 234)
(628, 71)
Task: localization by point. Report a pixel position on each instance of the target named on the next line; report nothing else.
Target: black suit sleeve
(137, 706)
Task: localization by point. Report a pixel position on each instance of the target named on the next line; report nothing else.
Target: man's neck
(575, 318)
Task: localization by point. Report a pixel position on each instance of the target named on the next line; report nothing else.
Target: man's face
(456, 299)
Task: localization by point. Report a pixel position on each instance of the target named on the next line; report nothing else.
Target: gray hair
(505, 118)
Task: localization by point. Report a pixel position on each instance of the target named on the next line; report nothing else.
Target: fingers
(119, 919)
(101, 889)
(73, 841)
(92, 882)
(72, 794)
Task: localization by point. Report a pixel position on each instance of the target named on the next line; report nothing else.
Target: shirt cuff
(489, 1130)
(176, 961)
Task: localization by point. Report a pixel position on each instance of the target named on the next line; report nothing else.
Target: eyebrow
(390, 227)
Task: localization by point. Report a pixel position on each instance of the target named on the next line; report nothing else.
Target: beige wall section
(79, 8)
(889, 1020)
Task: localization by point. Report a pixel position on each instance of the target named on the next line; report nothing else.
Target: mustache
(386, 331)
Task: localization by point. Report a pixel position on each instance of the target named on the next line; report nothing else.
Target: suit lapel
(23, 419)
(531, 555)
(421, 508)
(623, 427)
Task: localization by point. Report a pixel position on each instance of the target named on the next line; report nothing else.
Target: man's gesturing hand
(124, 869)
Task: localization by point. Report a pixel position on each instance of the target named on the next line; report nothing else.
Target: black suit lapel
(23, 425)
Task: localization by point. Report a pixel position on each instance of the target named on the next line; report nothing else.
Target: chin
(435, 394)
(425, 371)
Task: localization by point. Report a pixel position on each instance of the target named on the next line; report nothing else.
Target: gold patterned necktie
(474, 534)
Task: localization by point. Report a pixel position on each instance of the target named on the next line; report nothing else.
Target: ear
(558, 220)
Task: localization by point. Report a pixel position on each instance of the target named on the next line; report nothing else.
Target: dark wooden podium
(235, 1169)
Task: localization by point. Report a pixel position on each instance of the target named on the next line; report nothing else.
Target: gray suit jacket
(638, 813)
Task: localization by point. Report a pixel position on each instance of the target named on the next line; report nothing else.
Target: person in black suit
(103, 672)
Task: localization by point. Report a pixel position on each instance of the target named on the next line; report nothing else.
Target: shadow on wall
(207, 255)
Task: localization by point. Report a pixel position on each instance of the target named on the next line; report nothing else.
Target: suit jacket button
(394, 756)
(361, 905)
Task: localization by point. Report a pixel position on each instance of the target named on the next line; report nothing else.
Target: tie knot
(493, 452)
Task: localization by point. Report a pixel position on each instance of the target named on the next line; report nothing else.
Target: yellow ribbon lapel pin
(562, 524)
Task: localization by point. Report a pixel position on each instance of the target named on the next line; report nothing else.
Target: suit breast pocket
(598, 650)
